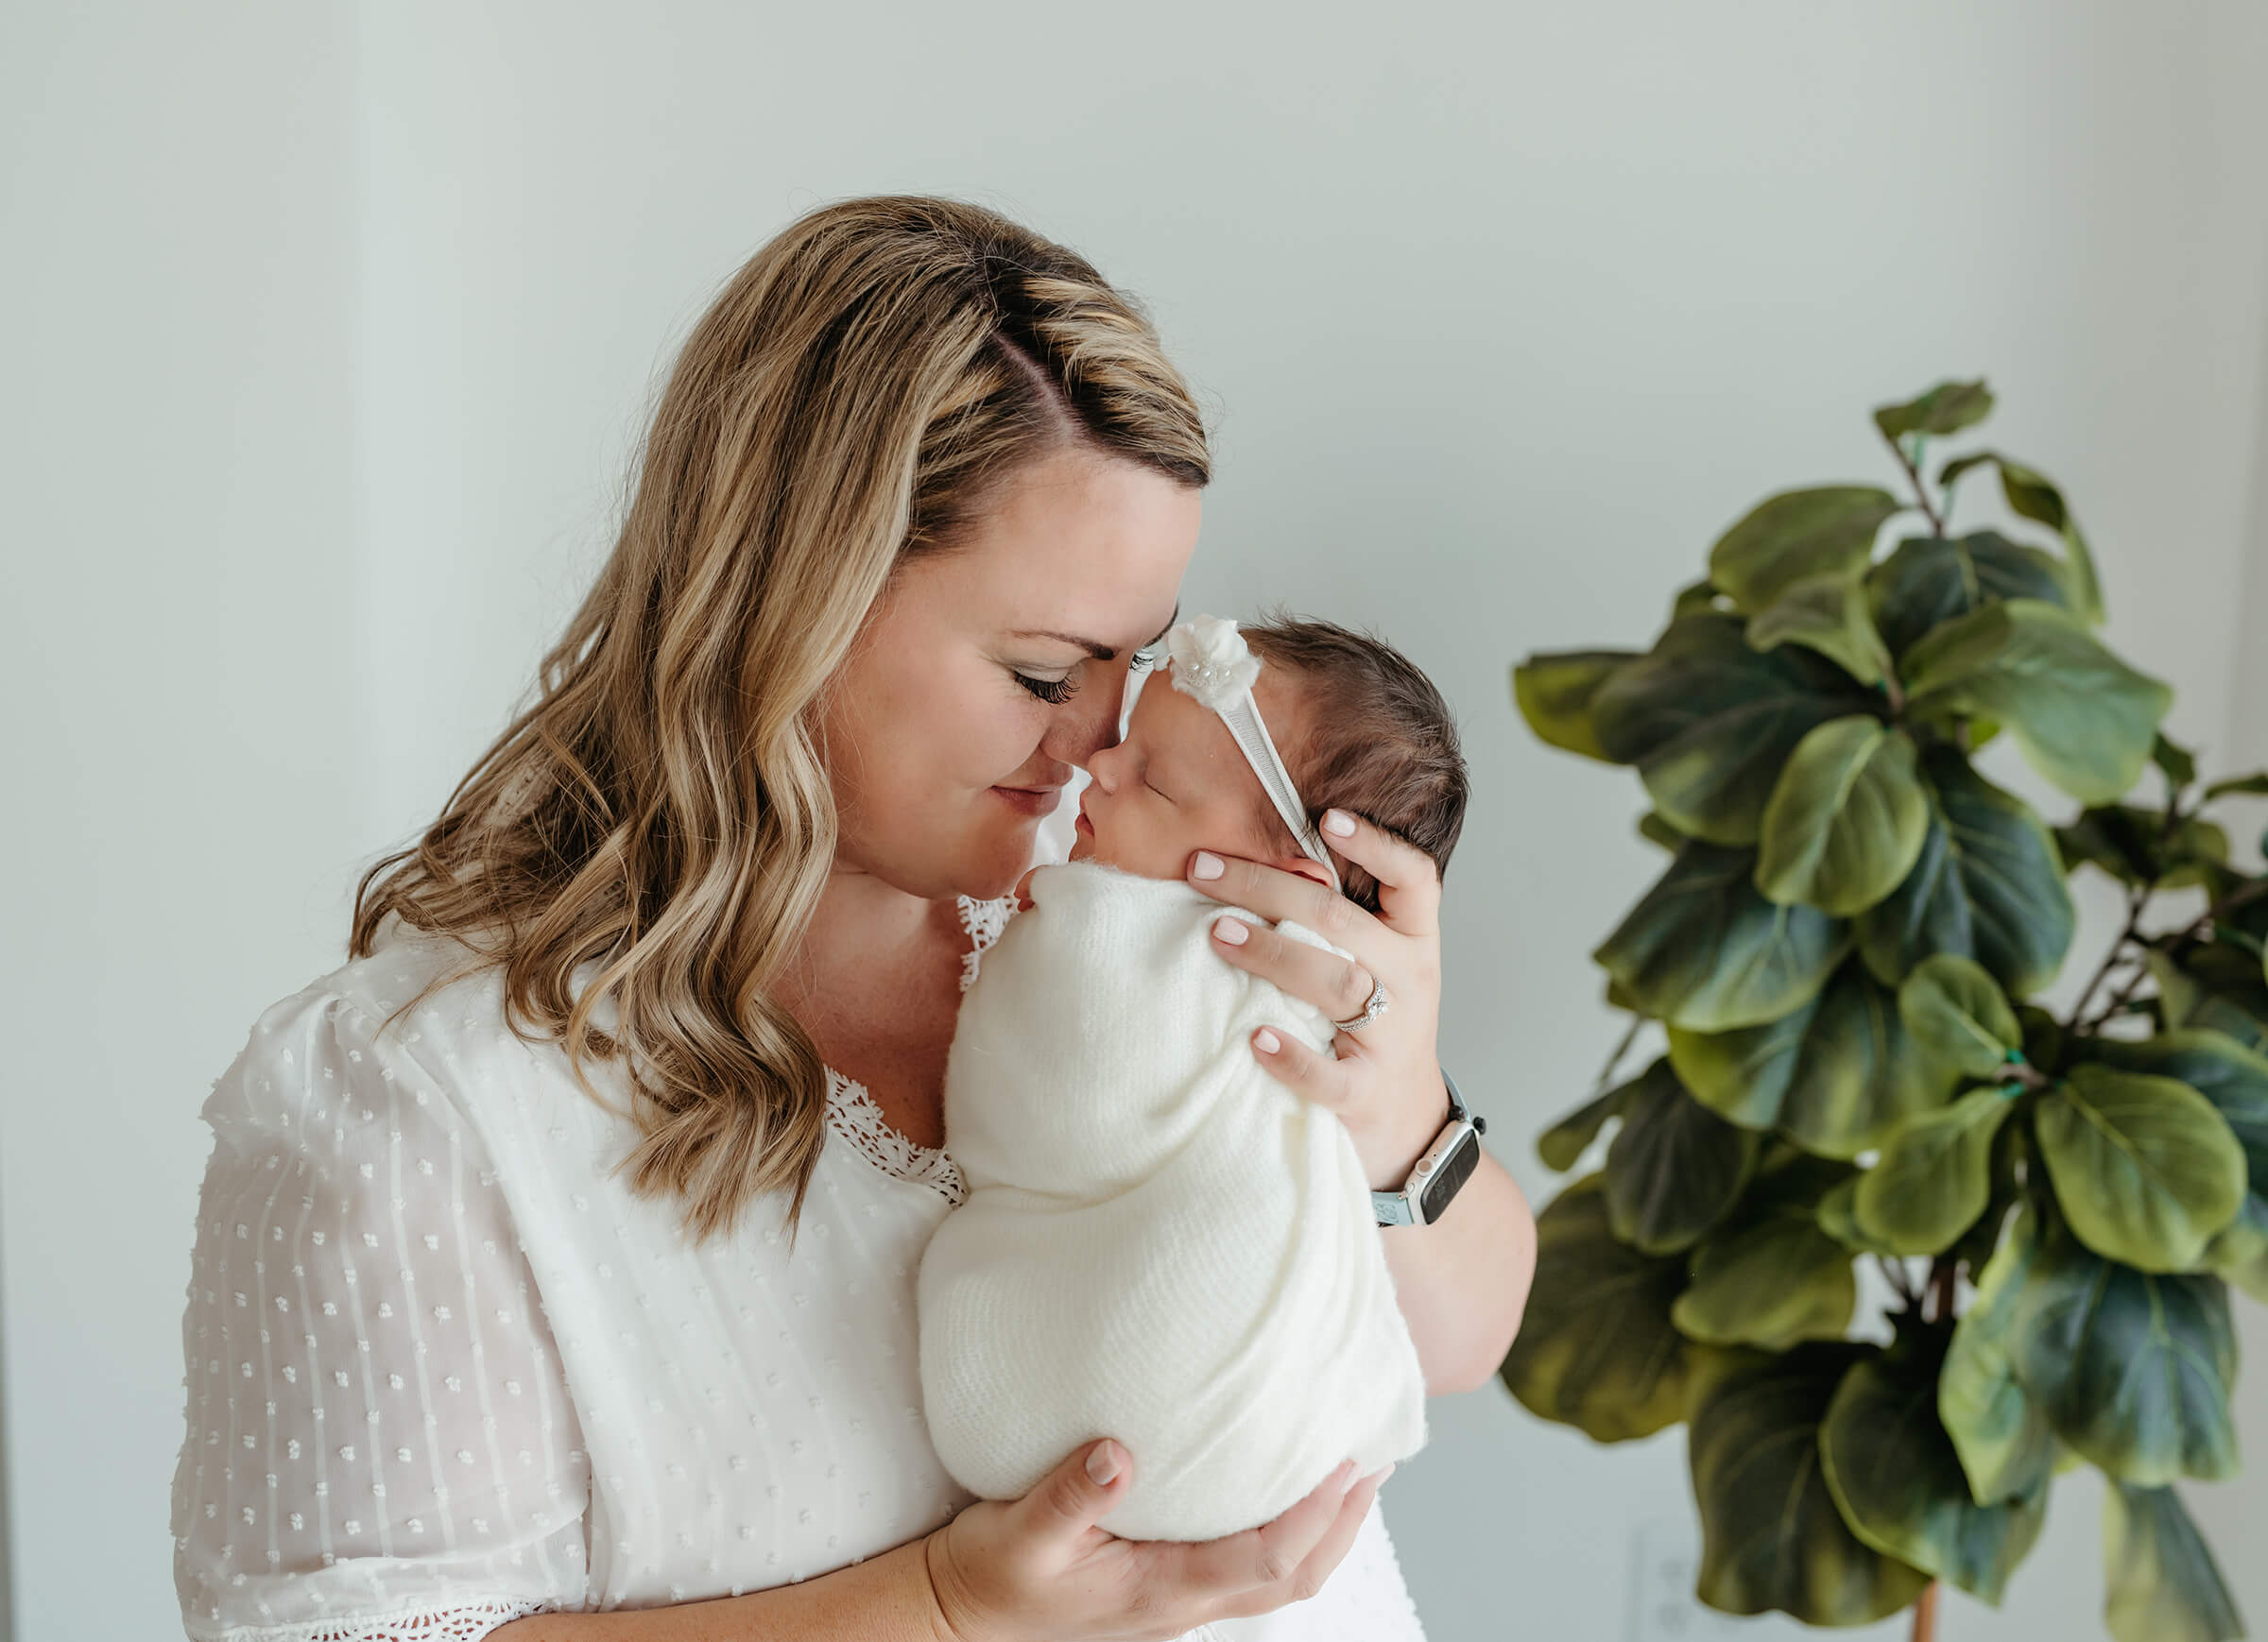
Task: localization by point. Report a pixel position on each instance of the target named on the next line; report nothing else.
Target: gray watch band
(1439, 1171)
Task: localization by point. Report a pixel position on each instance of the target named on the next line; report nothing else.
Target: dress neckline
(854, 1117)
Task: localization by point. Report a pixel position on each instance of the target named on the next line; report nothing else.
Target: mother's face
(989, 669)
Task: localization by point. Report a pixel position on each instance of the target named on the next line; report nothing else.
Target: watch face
(1463, 1158)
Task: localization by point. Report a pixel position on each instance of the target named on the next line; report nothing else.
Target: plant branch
(2137, 898)
(2120, 998)
(1921, 490)
(2220, 910)
(1944, 1276)
(1615, 1060)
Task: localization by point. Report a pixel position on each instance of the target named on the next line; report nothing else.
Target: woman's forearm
(884, 1599)
(1463, 1281)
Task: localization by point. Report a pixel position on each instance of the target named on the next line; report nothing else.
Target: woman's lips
(1029, 800)
(1083, 824)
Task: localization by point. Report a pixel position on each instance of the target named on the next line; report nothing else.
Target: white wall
(177, 423)
(328, 331)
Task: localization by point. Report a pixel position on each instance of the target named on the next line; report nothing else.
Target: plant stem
(2137, 898)
(1925, 1613)
(1921, 491)
(1613, 1061)
(2218, 912)
(1943, 1276)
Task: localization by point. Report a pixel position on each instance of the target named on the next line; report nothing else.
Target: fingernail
(1103, 1464)
(1269, 1043)
(1344, 1475)
(1232, 931)
(1338, 824)
(1387, 1473)
(1206, 865)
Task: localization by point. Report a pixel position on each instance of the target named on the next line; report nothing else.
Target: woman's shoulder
(417, 1014)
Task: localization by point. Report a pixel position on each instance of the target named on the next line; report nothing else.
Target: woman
(555, 1259)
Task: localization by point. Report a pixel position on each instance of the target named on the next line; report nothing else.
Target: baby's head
(1360, 729)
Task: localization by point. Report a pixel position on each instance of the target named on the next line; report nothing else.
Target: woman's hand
(1386, 1086)
(1037, 1570)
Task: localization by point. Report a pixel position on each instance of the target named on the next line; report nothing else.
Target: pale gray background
(327, 330)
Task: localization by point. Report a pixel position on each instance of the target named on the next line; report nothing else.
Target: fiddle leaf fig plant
(1843, 962)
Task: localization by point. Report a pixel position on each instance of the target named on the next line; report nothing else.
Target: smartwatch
(1446, 1165)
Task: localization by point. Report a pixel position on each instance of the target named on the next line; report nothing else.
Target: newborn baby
(1160, 1242)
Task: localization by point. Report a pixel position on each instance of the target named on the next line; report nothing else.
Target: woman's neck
(876, 982)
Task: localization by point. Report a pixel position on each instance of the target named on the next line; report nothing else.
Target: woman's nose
(1087, 724)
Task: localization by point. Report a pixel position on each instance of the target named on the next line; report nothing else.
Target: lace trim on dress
(854, 1118)
(463, 1623)
(852, 1113)
(983, 921)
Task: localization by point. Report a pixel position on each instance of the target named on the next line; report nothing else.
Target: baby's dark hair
(1378, 739)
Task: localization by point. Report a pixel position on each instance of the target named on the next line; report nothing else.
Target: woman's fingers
(1336, 986)
(1409, 884)
(1332, 1549)
(1276, 894)
(1073, 1497)
(1261, 1558)
(1308, 1075)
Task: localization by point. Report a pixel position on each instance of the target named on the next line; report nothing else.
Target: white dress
(445, 1370)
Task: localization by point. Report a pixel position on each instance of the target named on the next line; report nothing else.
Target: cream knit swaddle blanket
(1161, 1243)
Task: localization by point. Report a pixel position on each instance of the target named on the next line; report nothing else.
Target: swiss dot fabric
(444, 1370)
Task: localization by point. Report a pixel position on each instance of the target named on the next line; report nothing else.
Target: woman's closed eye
(1055, 691)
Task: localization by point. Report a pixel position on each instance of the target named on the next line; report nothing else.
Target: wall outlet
(1665, 1553)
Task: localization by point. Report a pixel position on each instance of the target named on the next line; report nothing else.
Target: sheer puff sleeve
(379, 1443)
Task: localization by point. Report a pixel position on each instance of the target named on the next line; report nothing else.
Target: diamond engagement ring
(1372, 1010)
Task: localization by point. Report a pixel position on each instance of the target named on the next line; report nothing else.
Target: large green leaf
(2235, 1079)
(1828, 614)
(1770, 1279)
(1987, 886)
(1560, 1145)
(2031, 495)
(2132, 845)
(1897, 1479)
(1838, 1218)
(2133, 1370)
(1675, 1169)
(2215, 986)
(2011, 1166)
(1945, 409)
(1709, 720)
(2005, 1443)
(2255, 785)
(1596, 1349)
(1958, 1015)
(1837, 1077)
(1704, 951)
(1934, 1178)
(1847, 818)
(2144, 1167)
(2083, 718)
(1771, 1536)
(1796, 534)
(1932, 580)
(2161, 1584)
(1556, 690)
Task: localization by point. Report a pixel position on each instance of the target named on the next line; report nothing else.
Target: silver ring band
(1375, 1007)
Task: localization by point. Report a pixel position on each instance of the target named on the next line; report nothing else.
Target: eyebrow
(1100, 650)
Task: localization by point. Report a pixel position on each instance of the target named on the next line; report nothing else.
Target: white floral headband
(1212, 662)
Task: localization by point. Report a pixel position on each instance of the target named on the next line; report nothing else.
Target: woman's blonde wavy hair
(662, 811)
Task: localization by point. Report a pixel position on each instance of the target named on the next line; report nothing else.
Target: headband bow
(1212, 662)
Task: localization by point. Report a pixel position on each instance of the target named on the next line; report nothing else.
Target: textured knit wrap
(1160, 1242)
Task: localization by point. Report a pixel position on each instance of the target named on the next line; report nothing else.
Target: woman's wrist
(1400, 1154)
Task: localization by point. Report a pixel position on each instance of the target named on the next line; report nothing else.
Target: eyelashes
(1055, 691)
